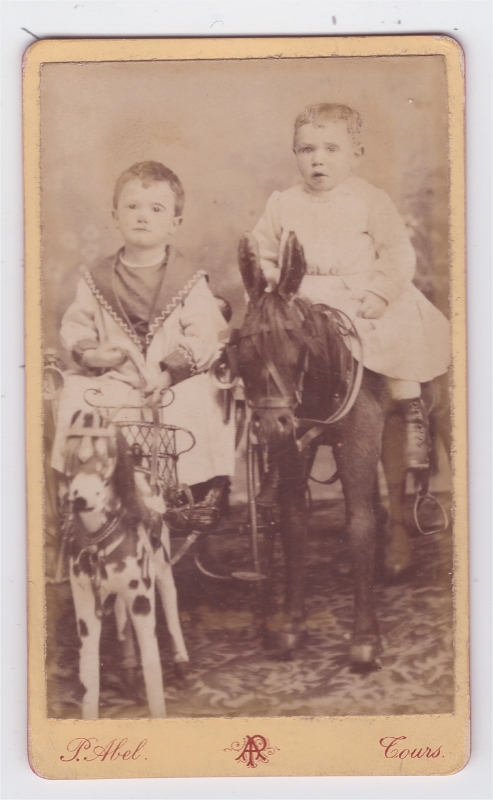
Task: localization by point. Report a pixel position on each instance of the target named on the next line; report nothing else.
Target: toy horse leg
(293, 525)
(294, 471)
(381, 520)
(120, 617)
(143, 615)
(125, 636)
(356, 453)
(89, 628)
(398, 548)
(167, 591)
(265, 588)
(293, 528)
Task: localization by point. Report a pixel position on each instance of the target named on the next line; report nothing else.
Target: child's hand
(272, 281)
(372, 306)
(154, 388)
(106, 355)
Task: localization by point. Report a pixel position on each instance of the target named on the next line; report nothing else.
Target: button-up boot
(417, 440)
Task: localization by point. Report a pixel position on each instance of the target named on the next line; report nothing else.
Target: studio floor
(230, 673)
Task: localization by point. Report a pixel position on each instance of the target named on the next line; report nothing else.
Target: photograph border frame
(303, 748)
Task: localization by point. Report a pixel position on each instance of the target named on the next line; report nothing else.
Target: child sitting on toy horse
(145, 320)
(360, 261)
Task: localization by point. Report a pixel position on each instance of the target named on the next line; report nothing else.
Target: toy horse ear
(293, 268)
(86, 449)
(251, 272)
(107, 469)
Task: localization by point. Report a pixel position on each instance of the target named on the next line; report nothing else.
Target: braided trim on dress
(182, 294)
(190, 359)
(99, 297)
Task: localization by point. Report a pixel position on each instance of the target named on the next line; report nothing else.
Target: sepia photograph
(248, 434)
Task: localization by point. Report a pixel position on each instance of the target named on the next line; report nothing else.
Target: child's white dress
(355, 241)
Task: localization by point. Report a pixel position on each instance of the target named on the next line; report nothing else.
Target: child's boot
(211, 503)
(416, 441)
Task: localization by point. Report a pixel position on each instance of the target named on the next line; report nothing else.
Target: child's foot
(181, 670)
(416, 442)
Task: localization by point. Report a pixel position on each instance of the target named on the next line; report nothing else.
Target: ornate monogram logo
(252, 750)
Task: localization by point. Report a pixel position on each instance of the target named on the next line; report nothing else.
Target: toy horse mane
(108, 445)
(283, 320)
(275, 323)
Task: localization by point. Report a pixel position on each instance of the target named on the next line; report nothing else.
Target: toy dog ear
(293, 268)
(251, 272)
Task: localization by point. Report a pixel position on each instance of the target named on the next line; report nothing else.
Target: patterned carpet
(230, 674)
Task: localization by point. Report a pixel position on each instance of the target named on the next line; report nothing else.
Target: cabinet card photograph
(246, 407)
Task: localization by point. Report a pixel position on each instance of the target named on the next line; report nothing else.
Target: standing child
(359, 260)
(145, 320)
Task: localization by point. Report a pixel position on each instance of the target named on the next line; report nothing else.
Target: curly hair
(323, 112)
(151, 172)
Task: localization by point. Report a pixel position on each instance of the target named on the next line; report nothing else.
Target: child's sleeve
(267, 232)
(396, 260)
(201, 324)
(78, 331)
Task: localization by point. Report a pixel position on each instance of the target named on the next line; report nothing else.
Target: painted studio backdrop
(226, 129)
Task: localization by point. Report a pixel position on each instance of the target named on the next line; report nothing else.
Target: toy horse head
(99, 469)
(92, 500)
(279, 334)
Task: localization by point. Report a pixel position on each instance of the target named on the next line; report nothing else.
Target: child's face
(145, 215)
(325, 155)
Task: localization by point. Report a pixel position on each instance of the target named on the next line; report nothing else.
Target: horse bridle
(284, 401)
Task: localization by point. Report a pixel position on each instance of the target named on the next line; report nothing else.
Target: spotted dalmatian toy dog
(116, 545)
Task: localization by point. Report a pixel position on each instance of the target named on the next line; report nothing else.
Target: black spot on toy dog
(141, 605)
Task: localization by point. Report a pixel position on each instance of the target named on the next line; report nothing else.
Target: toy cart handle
(124, 406)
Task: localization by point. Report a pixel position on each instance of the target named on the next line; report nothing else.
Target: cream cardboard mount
(220, 114)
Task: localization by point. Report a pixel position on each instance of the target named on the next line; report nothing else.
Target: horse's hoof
(397, 573)
(344, 568)
(397, 556)
(282, 644)
(397, 569)
(364, 652)
(129, 676)
(181, 670)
